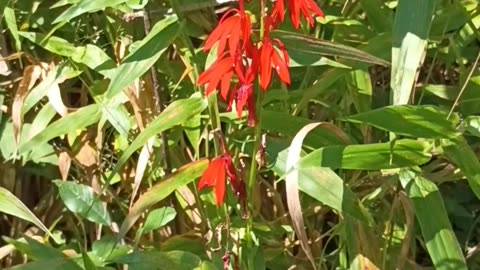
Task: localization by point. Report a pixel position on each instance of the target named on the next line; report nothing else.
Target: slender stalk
(158, 100)
(256, 146)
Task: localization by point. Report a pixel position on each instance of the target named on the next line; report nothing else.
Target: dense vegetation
(201, 134)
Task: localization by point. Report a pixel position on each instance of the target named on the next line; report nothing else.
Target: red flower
(215, 176)
(220, 72)
(230, 30)
(270, 58)
(308, 8)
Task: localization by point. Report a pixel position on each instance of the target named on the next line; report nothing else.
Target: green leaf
(458, 151)
(147, 260)
(96, 59)
(53, 44)
(286, 124)
(89, 55)
(159, 218)
(35, 250)
(310, 45)
(380, 17)
(377, 156)
(144, 55)
(82, 200)
(160, 191)
(108, 247)
(416, 121)
(80, 119)
(11, 22)
(9, 204)
(176, 114)
(325, 186)
(442, 245)
(86, 6)
(51, 264)
(472, 124)
(410, 37)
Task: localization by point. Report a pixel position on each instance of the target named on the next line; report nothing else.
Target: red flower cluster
(241, 60)
(215, 176)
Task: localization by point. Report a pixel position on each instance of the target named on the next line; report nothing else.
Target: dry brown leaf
(31, 74)
(55, 98)
(409, 217)
(293, 196)
(64, 163)
(85, 153)
(364, 263)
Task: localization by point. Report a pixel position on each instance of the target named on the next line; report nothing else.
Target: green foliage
(103, 94)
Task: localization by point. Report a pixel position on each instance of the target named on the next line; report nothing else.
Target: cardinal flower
(307, 8)
(276, 58)
(216, 174)
(230, 30)
(219, 73)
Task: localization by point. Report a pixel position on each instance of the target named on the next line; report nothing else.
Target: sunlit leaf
(86, 6)
(440, 240)
(160, 191)
(9, 204)
(398, 154)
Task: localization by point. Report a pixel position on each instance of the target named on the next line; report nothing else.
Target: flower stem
(257, 141)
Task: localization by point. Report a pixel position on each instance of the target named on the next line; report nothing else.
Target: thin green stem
(257, 140)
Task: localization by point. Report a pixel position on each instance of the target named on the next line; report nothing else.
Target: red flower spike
(230, 30)
(215, 176)
(270, 58)
(220, 72)
(307, 8)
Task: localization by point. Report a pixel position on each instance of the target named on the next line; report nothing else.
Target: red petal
(294, 12)
(219, 187)
(214, 74)
(246, 29)
(265, 64)
(225, 85)
(214, 176)
(281, 65)
(214, 37)
(314, 8)
(234, 38)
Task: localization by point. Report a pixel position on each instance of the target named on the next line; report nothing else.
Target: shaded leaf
(289, 125)
(82, 200)
(311, 45)
(458, 151)
(147, 260)
(9, 204)
(159, 218)
(416, 121)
